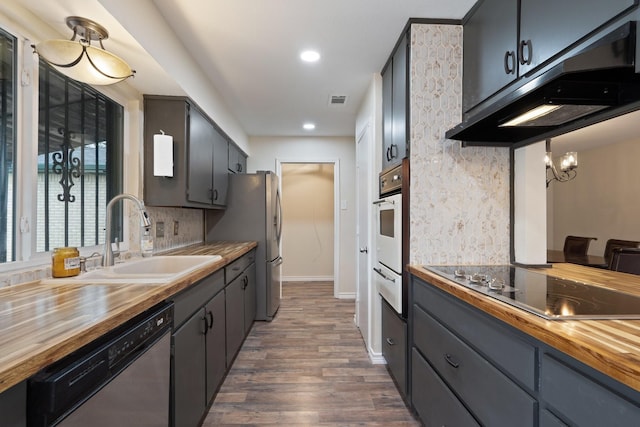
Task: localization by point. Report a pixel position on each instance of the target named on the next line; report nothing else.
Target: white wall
(307, 231)
(602, 201)
(265, 151)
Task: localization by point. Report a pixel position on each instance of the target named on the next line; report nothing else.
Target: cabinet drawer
(490, 337)
(581, 400)
(234, 269)
(394, 345)
(481, 386)
(433, 401)
(191, 299)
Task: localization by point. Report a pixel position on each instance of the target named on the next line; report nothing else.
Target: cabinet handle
(211, 194)
(245, 280)
(206, 325)
(510, 62)
(238, 167)
(450, 360)
(390, 341)
(388, 154)
(392, 148)
(210, 315)
(215, 194)
(526, 60)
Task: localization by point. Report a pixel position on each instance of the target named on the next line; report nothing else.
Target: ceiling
(249, 50)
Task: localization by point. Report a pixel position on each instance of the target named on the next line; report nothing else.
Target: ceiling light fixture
(568, 166)
(81, 61)
(309, 126)
(310, 56)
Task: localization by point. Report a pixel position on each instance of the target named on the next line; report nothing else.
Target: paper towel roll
(162, 155)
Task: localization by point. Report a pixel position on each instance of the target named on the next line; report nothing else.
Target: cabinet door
(234, 294)
(249, 297)
(216, 354)
(13, 406)
(188, 393)
(549, 26)
(387, 116)
(220, 170)
(489, 45)
(394, 346)
(398, 147)
(201, 134)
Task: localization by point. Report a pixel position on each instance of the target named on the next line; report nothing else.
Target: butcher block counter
(611, 347)
(41, 322)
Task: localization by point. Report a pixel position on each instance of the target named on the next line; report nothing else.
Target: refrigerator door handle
(277, 261)
(278, 219)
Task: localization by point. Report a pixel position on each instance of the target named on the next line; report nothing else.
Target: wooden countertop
(609, 346)
(43, 322)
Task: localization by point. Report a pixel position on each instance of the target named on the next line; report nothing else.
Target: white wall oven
(388, 266)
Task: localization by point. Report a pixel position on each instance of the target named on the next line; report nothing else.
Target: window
(7, 144)
(79, 162)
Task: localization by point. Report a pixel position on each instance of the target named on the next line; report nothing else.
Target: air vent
(337, 100)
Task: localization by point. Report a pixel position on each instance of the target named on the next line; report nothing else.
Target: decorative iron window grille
(79, 161)
(7, 145)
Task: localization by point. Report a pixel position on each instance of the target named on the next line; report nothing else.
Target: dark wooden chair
(625, 260)
(617, 243)
(577, 245)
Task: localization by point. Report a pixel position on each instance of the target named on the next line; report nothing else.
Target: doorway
(309, 221)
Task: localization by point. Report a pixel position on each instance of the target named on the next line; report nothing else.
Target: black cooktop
(549, 297)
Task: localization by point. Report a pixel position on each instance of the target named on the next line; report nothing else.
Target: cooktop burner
(549, 297)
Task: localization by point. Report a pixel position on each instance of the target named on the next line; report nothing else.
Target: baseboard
(377, 358)
(307, 278)
(347, 295)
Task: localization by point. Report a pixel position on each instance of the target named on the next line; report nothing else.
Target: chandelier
(81, 61)
(568, 166)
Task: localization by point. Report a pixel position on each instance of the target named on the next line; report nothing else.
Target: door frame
(336, 210)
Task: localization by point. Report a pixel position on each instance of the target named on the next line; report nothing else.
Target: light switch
(343, 205)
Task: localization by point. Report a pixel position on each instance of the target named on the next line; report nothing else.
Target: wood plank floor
(308, 367)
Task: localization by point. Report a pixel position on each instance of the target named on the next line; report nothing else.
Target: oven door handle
(381, 201)
(379, 271)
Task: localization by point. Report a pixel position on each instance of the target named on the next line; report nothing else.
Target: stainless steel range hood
(598, 83)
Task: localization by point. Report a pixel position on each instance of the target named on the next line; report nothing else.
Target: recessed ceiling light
(309, 126)
(310, 56)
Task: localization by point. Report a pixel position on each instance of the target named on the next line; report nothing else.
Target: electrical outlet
(160, 229)
(175, 228)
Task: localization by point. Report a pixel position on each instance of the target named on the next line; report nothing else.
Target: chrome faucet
(107, 257)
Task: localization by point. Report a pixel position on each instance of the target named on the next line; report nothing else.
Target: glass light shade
(83, 62)
(569, 161)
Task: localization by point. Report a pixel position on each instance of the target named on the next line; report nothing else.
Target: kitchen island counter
(611, 347)
(41, 322)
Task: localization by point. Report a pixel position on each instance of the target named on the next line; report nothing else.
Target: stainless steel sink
(157, 269)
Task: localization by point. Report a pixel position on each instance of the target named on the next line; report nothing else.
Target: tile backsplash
(460, 197)
(190, 231)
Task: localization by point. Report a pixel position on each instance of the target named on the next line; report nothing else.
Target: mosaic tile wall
(459, 196)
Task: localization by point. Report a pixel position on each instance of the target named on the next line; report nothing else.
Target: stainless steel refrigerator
(254, 212)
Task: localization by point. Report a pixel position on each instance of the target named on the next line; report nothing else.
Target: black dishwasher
(121, 379)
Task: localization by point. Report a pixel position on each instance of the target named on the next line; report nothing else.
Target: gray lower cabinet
(240, 295)
(468, 368)
(198, 362)
(582, 401)
(394, 346)
(13, 406)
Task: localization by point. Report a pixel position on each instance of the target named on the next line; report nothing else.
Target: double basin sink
(157, 269)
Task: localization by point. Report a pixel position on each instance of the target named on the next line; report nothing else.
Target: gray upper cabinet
(237, 159)
(395, 92)
(495, 56)
(489, 46)
(200, 155)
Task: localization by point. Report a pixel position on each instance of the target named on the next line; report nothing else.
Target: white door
(363, 216)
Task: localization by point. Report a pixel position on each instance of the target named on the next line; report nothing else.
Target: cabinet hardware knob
(450, 360)
(364, 250)
(390, 341)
